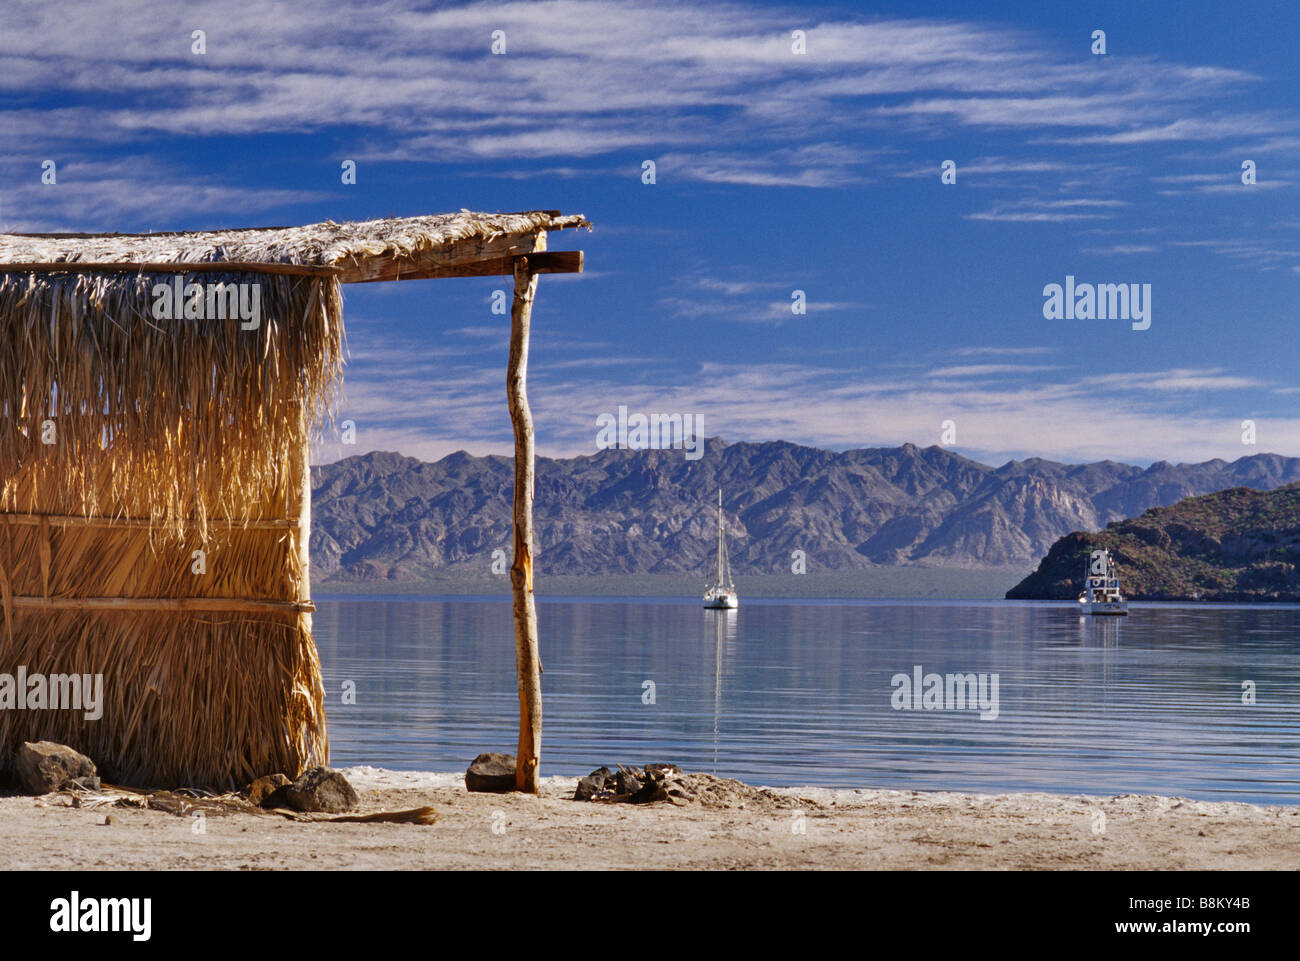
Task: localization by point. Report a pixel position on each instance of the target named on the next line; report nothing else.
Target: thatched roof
(464, 243)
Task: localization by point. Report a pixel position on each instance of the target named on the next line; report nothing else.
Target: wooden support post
(527, 657)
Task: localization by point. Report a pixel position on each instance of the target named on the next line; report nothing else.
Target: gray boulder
(43, 767)
(594, 784)
(320, 789)
(491, 772)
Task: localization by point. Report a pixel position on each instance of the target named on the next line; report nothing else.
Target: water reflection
(724, 621)
(1146, 703)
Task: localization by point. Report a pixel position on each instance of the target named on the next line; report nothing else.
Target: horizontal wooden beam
(231, 605)
(75, 520)
(552, 262)
(493, 258)
(452, 260)
(556, 262)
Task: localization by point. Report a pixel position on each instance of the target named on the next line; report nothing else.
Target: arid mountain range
(385, 516)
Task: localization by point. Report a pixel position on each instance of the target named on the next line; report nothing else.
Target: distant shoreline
(892, 583)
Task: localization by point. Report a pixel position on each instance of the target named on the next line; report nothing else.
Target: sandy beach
(732, 826)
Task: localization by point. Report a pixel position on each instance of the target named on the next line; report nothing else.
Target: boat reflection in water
(724, 625)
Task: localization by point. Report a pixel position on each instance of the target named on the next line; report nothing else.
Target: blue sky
(775, 172)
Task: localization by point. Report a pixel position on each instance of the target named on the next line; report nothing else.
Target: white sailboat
(722, 595)
(1101, 587)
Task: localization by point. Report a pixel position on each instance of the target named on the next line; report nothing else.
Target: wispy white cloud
(490, 333)
(746, 302)
(1181, 380)
(1137, 416)
(997, 167)
(1121, 250)
(1033, 212)
(985, 370)
(732, 288)
(808, 165)
(1233, 188)
(1194, 179)
(89, 192)
(1249, 251)
(999, 351)
(1218, 128)
(1228, 181)
(713, 92)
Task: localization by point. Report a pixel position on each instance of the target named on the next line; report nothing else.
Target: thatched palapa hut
(160, 393)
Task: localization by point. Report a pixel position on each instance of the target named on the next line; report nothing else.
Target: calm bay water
(788, 692)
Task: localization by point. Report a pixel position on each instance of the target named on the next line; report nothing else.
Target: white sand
(777, 828)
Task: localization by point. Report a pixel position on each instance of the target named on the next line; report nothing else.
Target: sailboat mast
(719, 581)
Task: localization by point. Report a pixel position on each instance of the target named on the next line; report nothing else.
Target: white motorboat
(1101, 587)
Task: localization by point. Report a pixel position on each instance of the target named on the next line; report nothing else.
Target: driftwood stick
(527, 658)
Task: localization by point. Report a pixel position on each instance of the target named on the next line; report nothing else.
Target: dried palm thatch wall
(171, 436)
(127, 444)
